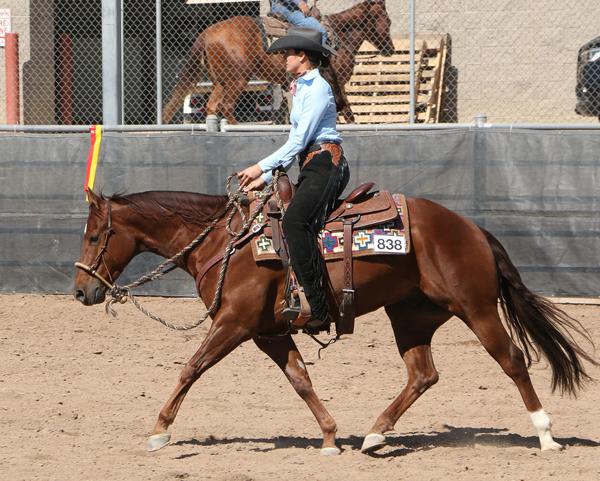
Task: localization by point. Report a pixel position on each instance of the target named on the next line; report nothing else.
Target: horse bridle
(93, 269)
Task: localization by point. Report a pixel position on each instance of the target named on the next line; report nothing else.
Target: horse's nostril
(79, 295)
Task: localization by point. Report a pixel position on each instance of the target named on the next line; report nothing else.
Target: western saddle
(360, 209)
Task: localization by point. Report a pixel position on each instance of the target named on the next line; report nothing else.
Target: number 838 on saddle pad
(389, 237)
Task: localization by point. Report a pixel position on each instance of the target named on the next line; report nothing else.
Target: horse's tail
(539, 325)
(189, 77)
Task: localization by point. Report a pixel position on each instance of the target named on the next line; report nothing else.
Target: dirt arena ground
(80, 392)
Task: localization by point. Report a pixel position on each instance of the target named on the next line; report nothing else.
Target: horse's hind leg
(190, 76)
(285, 354)
(222, 338)
(224, 98)
(488, 328)
(413, 327)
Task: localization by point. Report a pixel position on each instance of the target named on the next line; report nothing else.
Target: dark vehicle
(588, 79)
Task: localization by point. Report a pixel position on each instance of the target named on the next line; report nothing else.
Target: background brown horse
(454, 268)
(232, 51)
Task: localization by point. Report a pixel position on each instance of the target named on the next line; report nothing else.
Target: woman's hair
(317, 59)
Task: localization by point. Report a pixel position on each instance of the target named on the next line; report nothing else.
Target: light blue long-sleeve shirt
(313, 118)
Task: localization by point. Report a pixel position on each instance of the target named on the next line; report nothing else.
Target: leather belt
(317, 145)
(314, 147)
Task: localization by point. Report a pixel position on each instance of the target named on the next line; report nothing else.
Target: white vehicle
(261, 102)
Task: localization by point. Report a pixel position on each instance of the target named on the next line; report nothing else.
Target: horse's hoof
(373, 442)
(158, 441)
(331, 451)
(553, 446)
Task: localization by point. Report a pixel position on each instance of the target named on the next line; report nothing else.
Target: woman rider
(324, 171)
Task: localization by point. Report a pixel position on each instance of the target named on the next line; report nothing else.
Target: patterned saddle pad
(386, 238)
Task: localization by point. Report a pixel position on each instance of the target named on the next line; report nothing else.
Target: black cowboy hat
(302, 38)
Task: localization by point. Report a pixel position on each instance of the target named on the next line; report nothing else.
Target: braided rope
(120, 294)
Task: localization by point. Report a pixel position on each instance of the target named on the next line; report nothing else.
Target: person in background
(297, 12)
(324, 172)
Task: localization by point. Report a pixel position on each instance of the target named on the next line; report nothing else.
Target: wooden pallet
(379, 89)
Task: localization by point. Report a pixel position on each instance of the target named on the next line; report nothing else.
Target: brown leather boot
(300, 313)
(307, 321)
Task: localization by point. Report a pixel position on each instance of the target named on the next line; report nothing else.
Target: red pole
(11, 51)
(65, 80)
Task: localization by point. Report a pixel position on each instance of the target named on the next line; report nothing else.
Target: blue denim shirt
(313, 118)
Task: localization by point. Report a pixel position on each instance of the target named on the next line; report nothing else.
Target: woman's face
(294, 62)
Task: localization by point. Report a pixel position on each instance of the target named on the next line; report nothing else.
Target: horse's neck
(350, 27)
(165, 242)
(167, 238)
(352, 40)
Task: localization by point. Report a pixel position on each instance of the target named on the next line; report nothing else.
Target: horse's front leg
(224, 98)
(284, 352)
(223, 337)
(347, 111)
(348, 115)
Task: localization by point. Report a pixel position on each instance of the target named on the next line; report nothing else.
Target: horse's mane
(354, 9)
(190, 207)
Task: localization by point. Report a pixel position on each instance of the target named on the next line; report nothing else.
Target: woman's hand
(304, 8)
(250, 179)
(258, 184)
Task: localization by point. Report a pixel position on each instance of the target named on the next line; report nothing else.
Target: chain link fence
(516, 61)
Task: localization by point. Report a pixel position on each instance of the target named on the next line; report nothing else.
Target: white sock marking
(542, 424)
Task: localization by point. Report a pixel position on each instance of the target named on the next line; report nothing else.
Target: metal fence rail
(120, 61)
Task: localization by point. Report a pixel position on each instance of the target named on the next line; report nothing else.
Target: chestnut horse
(454, 268)
(233, 54)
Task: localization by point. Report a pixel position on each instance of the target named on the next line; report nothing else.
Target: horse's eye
(94, 238)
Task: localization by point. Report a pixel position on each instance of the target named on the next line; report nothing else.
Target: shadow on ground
(452, 437)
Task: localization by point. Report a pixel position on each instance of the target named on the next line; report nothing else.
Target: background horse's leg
(216, 99)
(414, 327)
(224, 97)
(347, 112)
(223, 337)
(190, 76)
(231, 94)
(348, 115)
(488, 328)
(285, 354)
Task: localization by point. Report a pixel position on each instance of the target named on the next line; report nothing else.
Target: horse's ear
(92, 198)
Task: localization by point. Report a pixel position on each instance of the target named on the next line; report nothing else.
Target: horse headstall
(93, 269)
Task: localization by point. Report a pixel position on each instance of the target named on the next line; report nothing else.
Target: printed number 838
(389, 244)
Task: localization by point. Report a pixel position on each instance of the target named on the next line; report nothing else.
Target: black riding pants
(323, 177)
